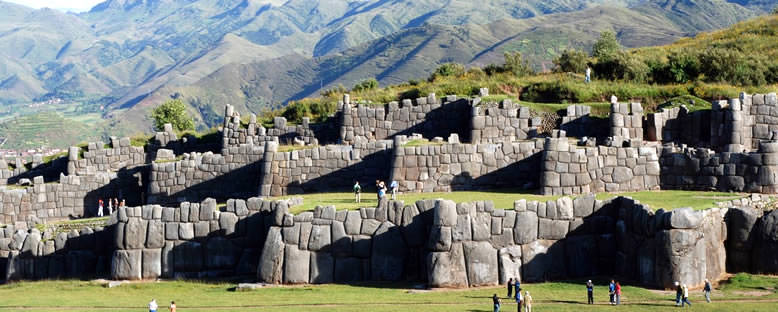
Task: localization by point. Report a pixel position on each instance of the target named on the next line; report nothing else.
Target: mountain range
(123, 57)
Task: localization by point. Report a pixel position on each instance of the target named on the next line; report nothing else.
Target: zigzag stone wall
(504, 122)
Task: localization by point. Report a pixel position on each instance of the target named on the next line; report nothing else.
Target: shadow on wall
(242, 182)
(129, 185)
(522, 174)
(370, 168)
(449, 118)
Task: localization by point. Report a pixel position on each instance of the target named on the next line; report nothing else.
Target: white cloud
(78, 5)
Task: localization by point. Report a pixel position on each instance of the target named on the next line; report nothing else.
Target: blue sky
(77, 5)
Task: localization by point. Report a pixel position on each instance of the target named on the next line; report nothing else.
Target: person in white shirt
(153, 305)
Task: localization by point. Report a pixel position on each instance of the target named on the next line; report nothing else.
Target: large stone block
(481, 262)
(510, 263)
(389, 253)
(685, 218)
(445, 213)
(126, 265)
(322, 268)
(447, 269)
(152, 263)
(220, 253)
(296, 265)
(135, 233)
(155, 235)
(525, 229)
(188, 256)
(349, 270)
(321, 238)
(543, 260)
(552, 229)
(271, 263)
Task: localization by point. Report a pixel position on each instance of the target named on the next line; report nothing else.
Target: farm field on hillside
(504, 198)
(742, 293)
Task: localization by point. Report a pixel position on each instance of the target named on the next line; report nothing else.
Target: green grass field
(742, 293)
(504, 198)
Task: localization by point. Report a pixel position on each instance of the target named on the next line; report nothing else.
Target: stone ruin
(174, 228)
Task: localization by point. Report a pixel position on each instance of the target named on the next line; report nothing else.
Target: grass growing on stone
(290, 147)
(504, 198)
(421, 142)
(555, 296)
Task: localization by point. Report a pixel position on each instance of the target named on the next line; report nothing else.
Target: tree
(607, 46)
(448, 69)
(174, 113)
(571, 61)
(364, 85)
(516, 64)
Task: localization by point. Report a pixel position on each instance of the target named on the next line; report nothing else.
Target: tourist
(510, 287)
(172, 306)
(612, 292)
(588, 74)
(122, 203)
(685, 296)
(378, 189)
(100, 207)
(357, 192)
(517, 286)
(618, 293)
(707, 290)
(115, 203)
(518, 299)
(394, 186)
(590, 291)
(153, 305)
(678, 293)
(496, 302)
(110, 205)
(527, 301)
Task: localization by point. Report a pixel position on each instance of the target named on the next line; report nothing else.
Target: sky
(77, 5)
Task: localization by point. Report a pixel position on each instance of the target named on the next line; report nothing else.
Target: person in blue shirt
(590, 291)
(393, 187)
(612, 291)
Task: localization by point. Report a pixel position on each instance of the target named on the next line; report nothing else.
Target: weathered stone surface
(322, 268)
(525, 230)
(543, 260)
(220, 253)
(447, 269)
(349, 270)
(227, 222)
(135, 233)
(463, 230)
(278, 214)
(581, 253)
(296, 265)
(583, 206)
(186, 231)
(445, 213)
(126, 265)
(389, 252)
(440, 239)
(353, 223)
(270, 269)
(481, 224)
(552, 229)
(321, 238)
(155, 235)
(369, 226)
(481, 261)
(413, 226)
(685, 218)
(564, 206)
(681, 255)
(152, 263)
(341, 242)
(188, 256)
(510, 263)
(764, 251)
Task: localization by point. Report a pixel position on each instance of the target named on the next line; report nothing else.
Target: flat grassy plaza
(741, 293)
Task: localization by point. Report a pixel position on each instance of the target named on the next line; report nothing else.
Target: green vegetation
(219, 296)
(691, 102)
(367, 84)
(172, 112)
(290, 147)
(572, 61)
(504, 199)
(420, 142)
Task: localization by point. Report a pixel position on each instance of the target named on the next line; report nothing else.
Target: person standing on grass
(172, 306)
(517, 287)
(496, 302)
(510, 287)
(707, 290)
(678, 293)
(618, 293)
(527, 302)
(110, 205)
(153, 305)
(588, 74)
(393, 187)
(357, 192)
(612, 292)
(519, 300)
(685, 296)
(590, 292)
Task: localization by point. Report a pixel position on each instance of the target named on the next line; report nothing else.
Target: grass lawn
(750, 293)
(504, 198)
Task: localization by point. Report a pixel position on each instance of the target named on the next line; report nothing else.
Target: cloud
(77, 5)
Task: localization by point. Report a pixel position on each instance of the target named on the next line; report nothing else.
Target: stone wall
(568, 169)
(704, 169)
(450, 167)
(234, 134)
(428, 116)
(678, 125)
(322, 168)
(194, 240)
(578, 122)
(753, 240)
(504, 122)
(99, 158)
(325, 246)
(626, 121)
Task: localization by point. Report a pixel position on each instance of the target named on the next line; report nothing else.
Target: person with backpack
(357, 192)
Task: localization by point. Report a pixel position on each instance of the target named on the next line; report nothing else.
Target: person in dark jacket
(510, 287)
(707, 290)
(678, 293)
(496, 302)
(590, 291)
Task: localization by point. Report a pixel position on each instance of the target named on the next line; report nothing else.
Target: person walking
(588, 74)
(496, 302)
(100, 207)
(612, 292)
(678, 293)
(393, 187)
(685, 296)
(510, 287)
(618, 293)
(590, 292)
(707, 290)
(172, 306)
(527, 302)
(519, 299)
(357, 192)
(153, 305)
(110, 205)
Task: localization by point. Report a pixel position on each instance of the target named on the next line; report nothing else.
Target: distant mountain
(125, 56)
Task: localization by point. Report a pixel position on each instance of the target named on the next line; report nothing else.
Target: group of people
(515, 286)
(112, 203)
(682, 293)
(380, 187)
(614, 292)
(153, 306)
